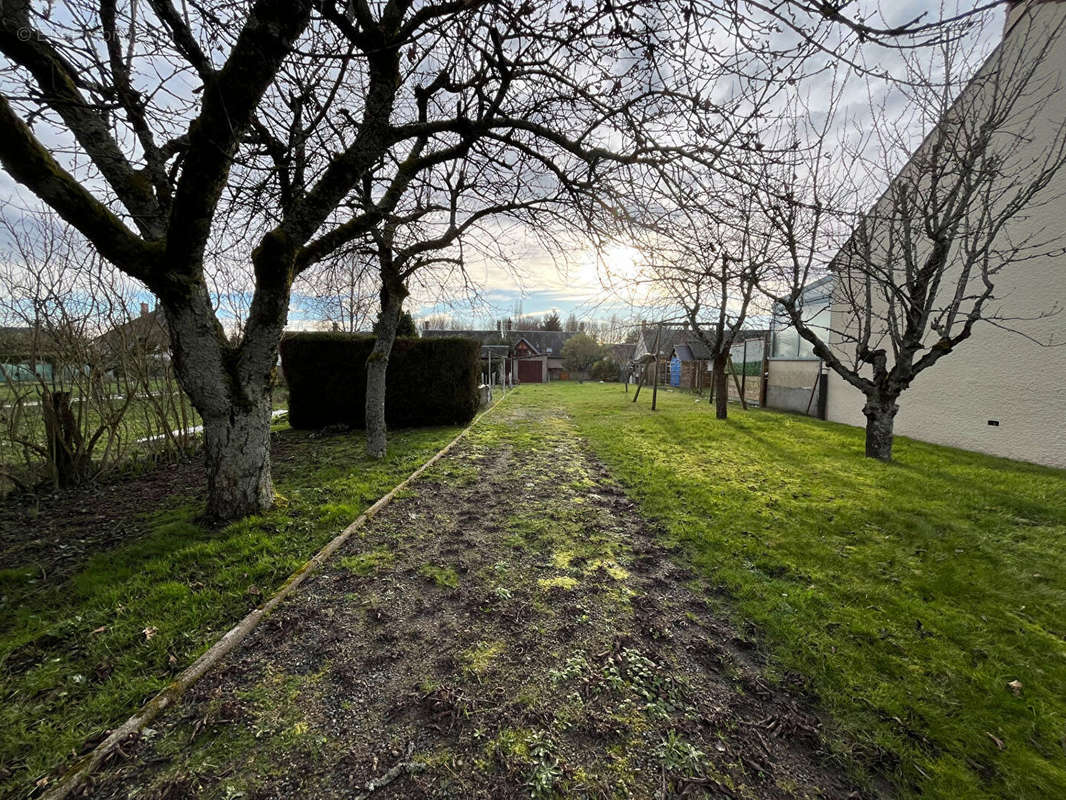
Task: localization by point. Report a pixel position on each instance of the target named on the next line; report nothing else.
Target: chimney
(144, 309)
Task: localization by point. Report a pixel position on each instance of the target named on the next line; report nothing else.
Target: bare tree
(708, 250)
(445, 216)
(170, 137)
(86, 383)
(921, 268)
(446, 322)
(342, 292)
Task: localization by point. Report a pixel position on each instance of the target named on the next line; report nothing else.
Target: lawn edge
(75, 777)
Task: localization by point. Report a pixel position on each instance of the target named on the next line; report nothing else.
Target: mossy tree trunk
(65, 453)
(880, 412)
(231, 387)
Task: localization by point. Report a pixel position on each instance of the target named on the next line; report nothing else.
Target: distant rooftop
(543, 342)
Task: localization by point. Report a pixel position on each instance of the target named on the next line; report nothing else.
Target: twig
(405, 767)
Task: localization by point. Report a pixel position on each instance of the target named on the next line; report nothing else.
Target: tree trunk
(231, 388)
(880, 417)
(237, 447)
(64, 439)
(377, 366)
(721, 387)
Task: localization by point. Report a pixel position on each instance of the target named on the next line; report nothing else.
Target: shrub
(605, 370)
(430, 381)
(406, 326)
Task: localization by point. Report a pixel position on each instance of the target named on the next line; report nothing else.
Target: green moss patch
(565, 582)
(369, 563)
(445, 577)
(478, 660)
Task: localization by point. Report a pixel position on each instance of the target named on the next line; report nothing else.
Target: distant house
(666, 338)
(684, 359)
(527, 356)
(145, 337)
(622, 353)
(645, 353)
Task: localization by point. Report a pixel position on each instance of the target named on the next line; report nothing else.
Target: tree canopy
(581, 351)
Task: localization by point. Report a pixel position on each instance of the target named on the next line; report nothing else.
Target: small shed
(689, 363)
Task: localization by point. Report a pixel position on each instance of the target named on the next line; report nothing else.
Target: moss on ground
(910, 594)
(565, 582)
(444, 576)
(369, 563)
(478, 660)
(79, 655)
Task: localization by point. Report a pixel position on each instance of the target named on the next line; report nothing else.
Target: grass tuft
(371, 563)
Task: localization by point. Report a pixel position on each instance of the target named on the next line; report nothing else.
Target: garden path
(509, 627)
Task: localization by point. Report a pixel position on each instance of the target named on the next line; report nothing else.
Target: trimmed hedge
(429, 382)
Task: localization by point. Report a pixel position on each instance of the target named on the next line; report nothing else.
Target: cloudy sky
(577, 281)
(589, 286)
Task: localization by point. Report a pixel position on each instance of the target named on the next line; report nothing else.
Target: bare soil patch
(59, 531)
(511, 627)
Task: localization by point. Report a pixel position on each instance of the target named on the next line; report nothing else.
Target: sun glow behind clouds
(616, 276)
(585, 280)
(613, 267)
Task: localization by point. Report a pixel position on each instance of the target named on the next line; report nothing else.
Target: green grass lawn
(141, 419)
(78, 656)
(140, 434)
(911, 595)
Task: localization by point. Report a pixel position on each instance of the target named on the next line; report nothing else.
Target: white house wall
(997, 375)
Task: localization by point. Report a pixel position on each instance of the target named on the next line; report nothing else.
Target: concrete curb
(75, 777)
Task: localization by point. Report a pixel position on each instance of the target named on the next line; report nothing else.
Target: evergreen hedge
(429, 381)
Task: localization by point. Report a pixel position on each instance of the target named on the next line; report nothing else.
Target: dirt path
(509, 628)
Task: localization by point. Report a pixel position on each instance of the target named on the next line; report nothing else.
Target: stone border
(75, 777)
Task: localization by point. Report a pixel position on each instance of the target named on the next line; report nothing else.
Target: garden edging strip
(78, 774)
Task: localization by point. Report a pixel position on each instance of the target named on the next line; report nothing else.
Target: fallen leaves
(149, 632)
(1016, 687)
